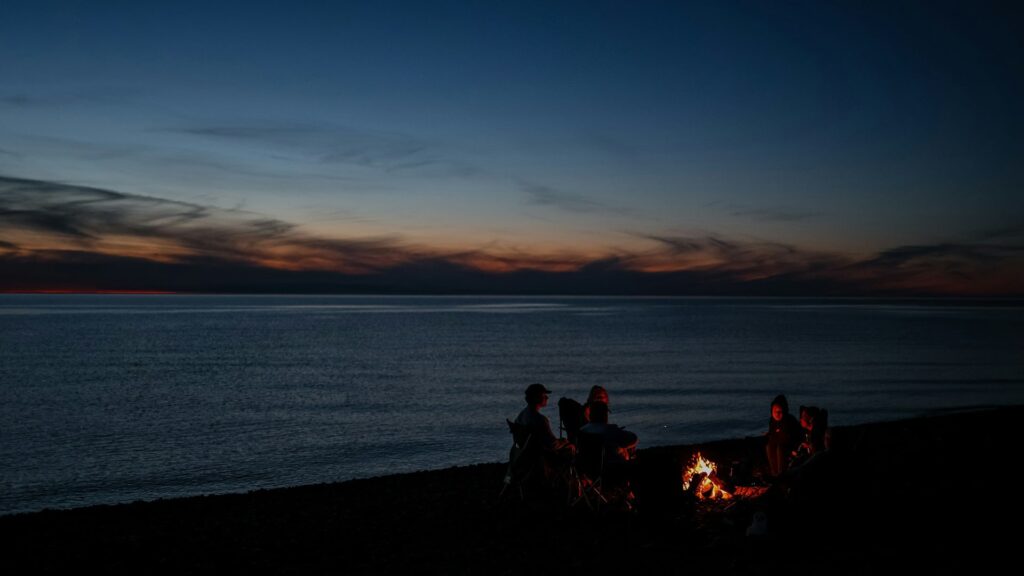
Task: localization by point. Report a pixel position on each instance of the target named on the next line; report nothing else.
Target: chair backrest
(590, 455)
(525, 459)
(520, 434)
(570, 414)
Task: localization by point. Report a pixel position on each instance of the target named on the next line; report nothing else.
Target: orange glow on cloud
(299, 253)
(55, 223)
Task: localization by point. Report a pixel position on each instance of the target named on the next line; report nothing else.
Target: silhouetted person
(815, 438)
(784, 436)
(620, 444)
(530, 417)
(808, 473)
(597, 394)
(556, 452)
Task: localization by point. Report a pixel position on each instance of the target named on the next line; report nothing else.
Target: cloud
(753, 261)
(696, 244)
(773, 214)
(153, 159)
(108, 95)
(546, 196)
(272, 133)
(763, 213)
(1009, 232)
(936, 269)
(332, 144)
(105, 221)
(64, 236)
(977, 253)
(948, 268)
(23, 101)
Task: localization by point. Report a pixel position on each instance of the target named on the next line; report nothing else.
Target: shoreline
(925, 414)
(656, 448)
(924, 492)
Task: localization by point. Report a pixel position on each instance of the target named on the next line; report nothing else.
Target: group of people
(792, 443)
(619, 444)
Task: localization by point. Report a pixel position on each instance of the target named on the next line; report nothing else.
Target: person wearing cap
(555, 453)
(530, 417)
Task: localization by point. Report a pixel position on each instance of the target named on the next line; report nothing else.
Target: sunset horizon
(578, 148)
(67, 238)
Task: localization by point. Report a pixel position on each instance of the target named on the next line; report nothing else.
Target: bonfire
(703, 473)
(702, 478)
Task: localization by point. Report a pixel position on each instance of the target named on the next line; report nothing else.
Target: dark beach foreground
(934, 494)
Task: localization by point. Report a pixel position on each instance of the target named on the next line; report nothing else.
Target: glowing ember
(704, 469)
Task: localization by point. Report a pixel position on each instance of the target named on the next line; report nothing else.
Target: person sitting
(816, 436)
(807, 478)
(620, 444)
(539, 425)
(783, 436)
(598, 394)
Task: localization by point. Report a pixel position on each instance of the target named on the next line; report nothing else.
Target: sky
(713, 148)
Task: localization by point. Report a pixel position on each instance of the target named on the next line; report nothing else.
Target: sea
(107, 399)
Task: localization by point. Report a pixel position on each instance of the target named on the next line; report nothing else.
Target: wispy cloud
(947, 267)
(747, 260)
(541, 195)
(982, 253)
(762, 213)
(108, 95)
(23, 100)
(773, 214)
(158, 161)
(695, 244)
(942, 268)
(1012, 232)
(332, 144)
(62, 235)
(95, 219)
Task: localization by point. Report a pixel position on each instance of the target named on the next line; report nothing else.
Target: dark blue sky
(541, 135)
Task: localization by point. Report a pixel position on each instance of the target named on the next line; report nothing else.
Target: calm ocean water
(108, 399)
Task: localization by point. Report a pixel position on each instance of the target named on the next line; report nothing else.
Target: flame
(701, 467)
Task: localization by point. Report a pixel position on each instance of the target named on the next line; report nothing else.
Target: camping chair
(604, 481)
(524, 460)
(590, 457)
(570, 418)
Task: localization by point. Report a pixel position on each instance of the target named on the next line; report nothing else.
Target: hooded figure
(783, 436)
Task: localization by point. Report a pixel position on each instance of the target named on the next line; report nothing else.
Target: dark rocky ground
(934, 494)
